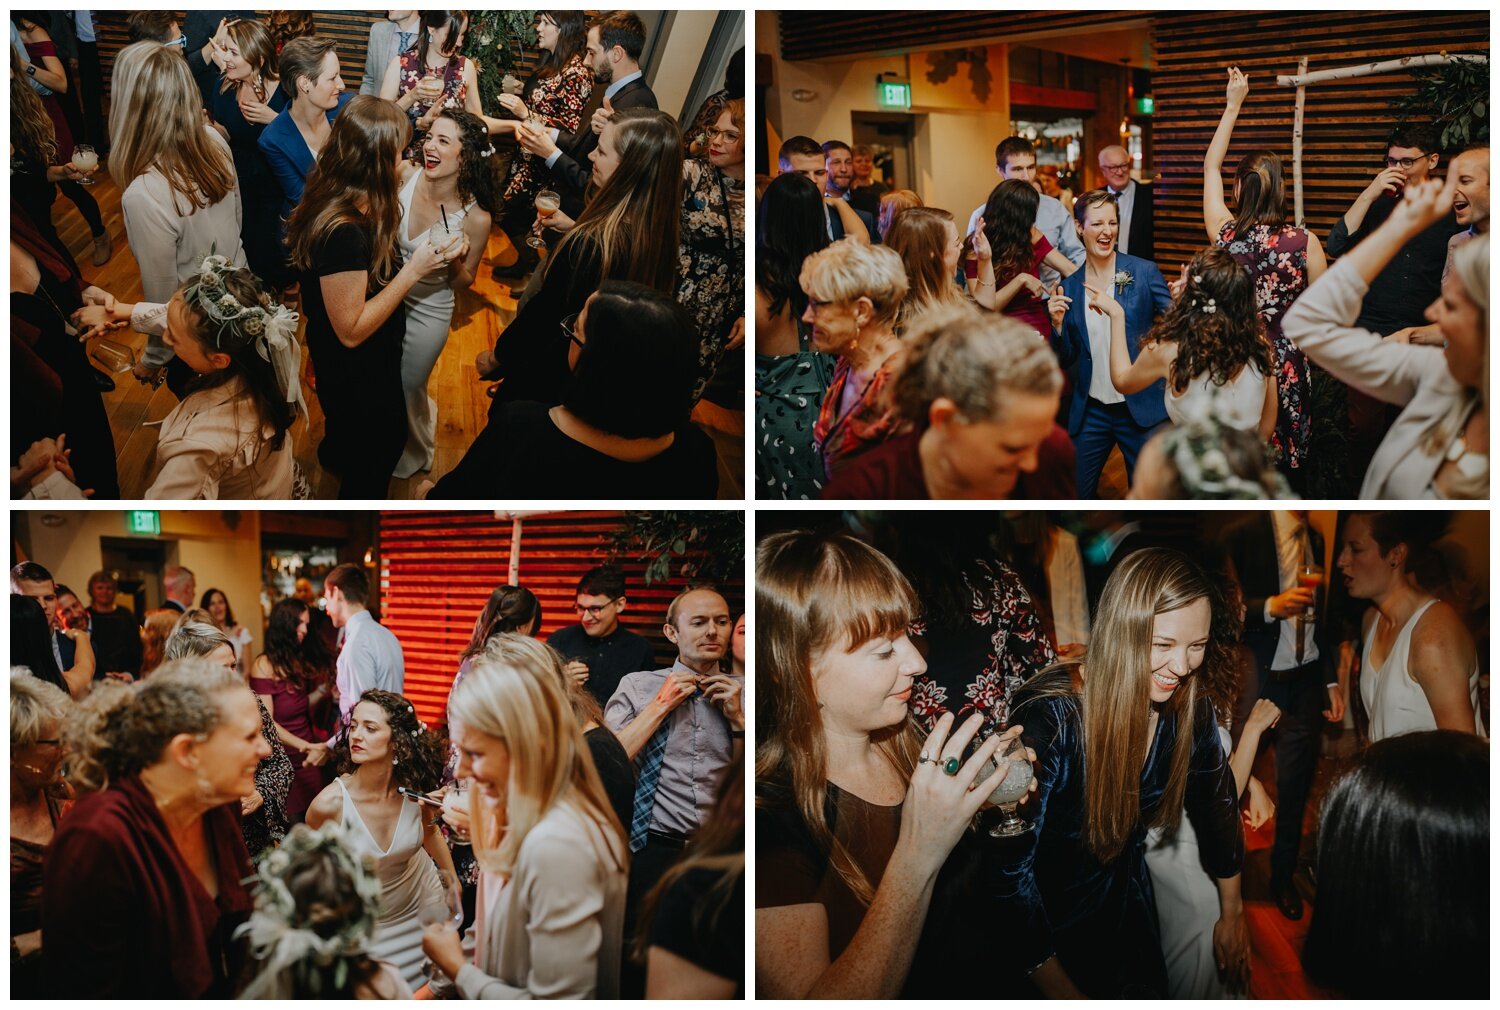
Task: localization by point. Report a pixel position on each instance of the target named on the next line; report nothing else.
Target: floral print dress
(711, 260)
(560, 100)
(455, 91)
(1277, 261)
(977, 667)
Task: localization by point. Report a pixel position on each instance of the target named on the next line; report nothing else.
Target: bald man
(1134, 200)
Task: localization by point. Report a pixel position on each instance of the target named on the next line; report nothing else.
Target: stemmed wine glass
(1013, 776)
(444, 907)
(547, 204)
(85, 159)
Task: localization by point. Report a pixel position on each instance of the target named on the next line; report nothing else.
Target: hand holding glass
(547, 204)
(1012, 780)
(86, 160)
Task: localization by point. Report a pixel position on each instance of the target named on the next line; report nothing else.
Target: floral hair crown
(280, 934)
(271, 328)
(1195, 449)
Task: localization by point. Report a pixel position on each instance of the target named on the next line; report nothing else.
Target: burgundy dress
(126, 917)
(1025, 306)
(290, 710)
(36, 51)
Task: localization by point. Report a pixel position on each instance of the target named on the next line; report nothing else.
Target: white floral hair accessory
(271, 327)
(280, 934)
(1195, 449)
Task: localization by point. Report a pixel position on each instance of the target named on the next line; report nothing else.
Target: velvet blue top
(1099, 919)
(288, 154)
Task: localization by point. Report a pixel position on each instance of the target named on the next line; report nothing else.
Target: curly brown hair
(476, 175)
(1215, 323)
(418, 755)
(1008, 217)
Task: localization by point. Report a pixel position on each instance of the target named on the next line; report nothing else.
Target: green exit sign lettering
(891, 95)
(1145, 106)
(143, 522)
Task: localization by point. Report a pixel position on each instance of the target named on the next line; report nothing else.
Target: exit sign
(143, 522)
(892, 95)
(1145, 106)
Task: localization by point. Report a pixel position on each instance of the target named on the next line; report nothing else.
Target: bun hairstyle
(1262, 192)
(418, 755)
(1215, 324)
(509, 608)
(120, 729)
(1417, 531)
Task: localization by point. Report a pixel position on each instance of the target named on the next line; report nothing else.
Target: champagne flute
(86, 160)
(547, 204)
(1014, 774)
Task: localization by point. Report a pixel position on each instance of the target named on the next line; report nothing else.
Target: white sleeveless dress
(407, 874)
(1187, 906)
(429, 315)
(1396, 703)
(1237, 403)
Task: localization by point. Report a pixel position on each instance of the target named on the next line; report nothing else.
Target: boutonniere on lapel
(1123, 279)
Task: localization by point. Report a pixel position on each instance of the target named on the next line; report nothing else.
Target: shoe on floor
(520, 268)
(104, 382)
(103, 249)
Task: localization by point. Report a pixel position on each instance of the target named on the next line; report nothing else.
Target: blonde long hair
(814, 592)
(512, 694)
(1116, 697)
(358, 164)
(156, 123)
(1471, 263)
(634, 220)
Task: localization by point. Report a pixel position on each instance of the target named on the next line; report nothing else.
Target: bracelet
(736, 734)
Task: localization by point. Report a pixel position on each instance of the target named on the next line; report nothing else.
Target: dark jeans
(1106, 425)
(1301, 698)
(84, 201)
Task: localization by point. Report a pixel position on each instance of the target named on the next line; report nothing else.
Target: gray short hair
(972, 358)
(34, 704)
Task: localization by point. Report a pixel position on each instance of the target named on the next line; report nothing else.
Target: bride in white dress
(385, 747)
(453, 189)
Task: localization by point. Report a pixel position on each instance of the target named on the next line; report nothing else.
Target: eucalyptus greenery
(705, 546)
(1455, 97)
(495, 43)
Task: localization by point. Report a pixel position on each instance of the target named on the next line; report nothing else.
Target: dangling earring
(395, 761)
(854, 344)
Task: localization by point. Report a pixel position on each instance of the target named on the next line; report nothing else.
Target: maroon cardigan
(123, 914)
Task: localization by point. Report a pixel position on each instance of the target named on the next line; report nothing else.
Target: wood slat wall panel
(1347, 121)
(843, 34)
(437, 570)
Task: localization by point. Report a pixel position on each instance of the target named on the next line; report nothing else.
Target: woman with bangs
(1126, 739)
(179, 192)
(628, 231)
(551, 850)
(344, 239)
(928, 243)
(868, 870)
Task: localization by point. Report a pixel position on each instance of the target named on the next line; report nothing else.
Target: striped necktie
(650, 763)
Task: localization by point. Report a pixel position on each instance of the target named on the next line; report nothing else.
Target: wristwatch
(31, 70)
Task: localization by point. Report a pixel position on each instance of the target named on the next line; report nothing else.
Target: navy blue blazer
(282, 144)
(1143, 299)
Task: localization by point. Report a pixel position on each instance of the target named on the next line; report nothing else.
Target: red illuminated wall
(437, 569)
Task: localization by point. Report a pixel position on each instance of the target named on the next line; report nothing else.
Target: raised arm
(634, 729)
(1215, 211)
(853, 227)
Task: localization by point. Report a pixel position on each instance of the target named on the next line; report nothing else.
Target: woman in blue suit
(291, 142)
(1099, 417)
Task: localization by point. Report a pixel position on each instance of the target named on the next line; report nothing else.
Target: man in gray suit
(388, 39)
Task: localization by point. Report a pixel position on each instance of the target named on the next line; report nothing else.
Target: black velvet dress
(1100, 919)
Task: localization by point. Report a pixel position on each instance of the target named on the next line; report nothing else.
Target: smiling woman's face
(1179, 639)
(868, 687)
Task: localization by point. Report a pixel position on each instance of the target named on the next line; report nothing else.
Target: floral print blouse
(711, 260)
(455, 91)
(560, 100)
(1277, 261)
(978, 667)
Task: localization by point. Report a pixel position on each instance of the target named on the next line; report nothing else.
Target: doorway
(138, 566)
(890, 137)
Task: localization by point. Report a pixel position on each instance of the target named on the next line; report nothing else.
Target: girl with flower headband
(228, 437)
(1210, 348)
(452, 188)
(316, 909)
(385, 750)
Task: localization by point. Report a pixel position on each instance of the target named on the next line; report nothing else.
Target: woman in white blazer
(1439, 446)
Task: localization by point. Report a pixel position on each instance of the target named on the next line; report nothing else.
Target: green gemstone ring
(950, 766)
